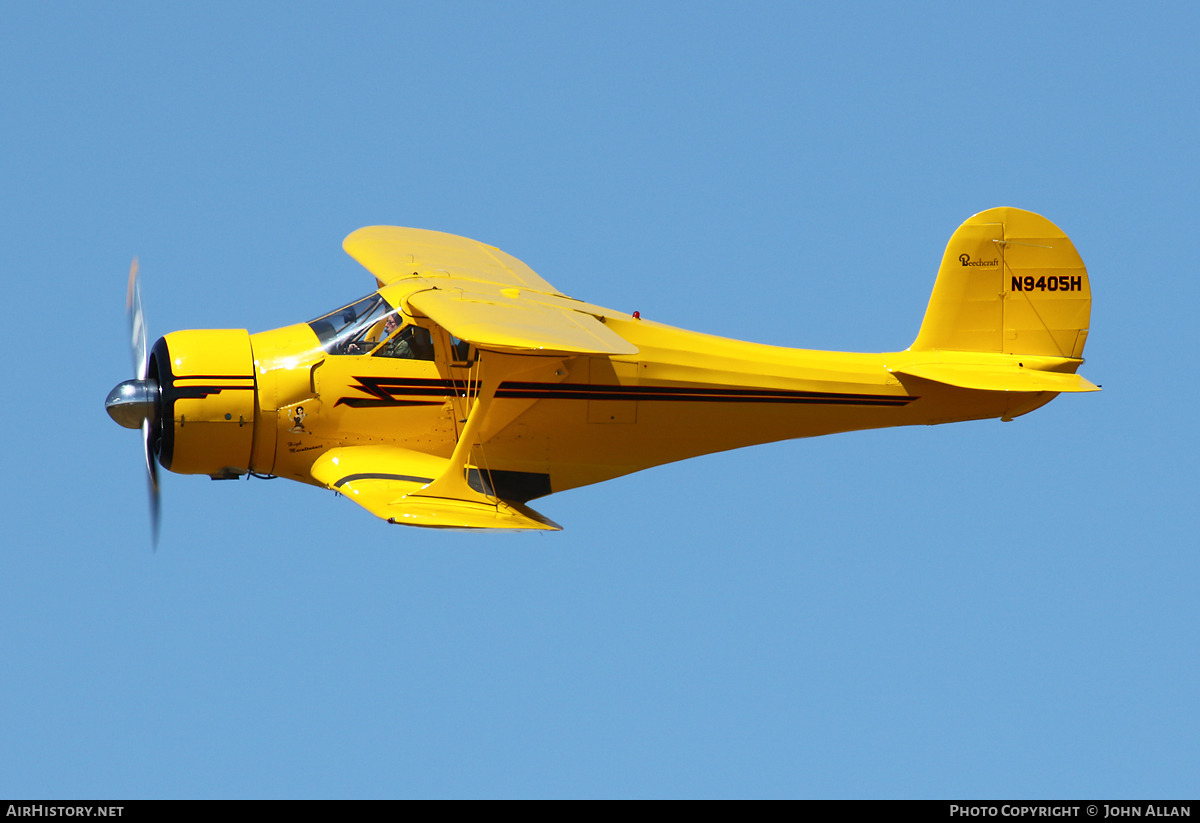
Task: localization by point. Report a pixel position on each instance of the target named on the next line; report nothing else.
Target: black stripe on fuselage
(578, 391)
(690, 390)
(828, 400)
(382, 402)
(384, 390)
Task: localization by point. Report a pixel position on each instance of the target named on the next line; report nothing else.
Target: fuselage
(556, 422)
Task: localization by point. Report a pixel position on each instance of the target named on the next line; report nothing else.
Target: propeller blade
(138, 398)
(137, 321)
(152, 475)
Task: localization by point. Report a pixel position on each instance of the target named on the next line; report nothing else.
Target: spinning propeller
(135, 404)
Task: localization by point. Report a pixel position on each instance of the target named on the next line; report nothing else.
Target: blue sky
(974, 610)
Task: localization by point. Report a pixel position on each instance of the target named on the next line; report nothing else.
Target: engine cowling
(207, 400)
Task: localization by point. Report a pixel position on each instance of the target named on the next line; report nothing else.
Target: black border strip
(384, 388)
(381, 476)
(827, 400)
(213, 377)
(588, 388)
(379, 402)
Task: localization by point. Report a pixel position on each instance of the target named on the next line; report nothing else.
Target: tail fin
(1011, 282)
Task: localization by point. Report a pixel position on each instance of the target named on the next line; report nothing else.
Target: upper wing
(480, 294)
(393, 252)
(508, 321)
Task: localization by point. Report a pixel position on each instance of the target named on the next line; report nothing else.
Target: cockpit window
(372, 325)
(460, 349)
(354, 329)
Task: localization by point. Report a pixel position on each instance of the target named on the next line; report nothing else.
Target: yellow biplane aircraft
(466, 385)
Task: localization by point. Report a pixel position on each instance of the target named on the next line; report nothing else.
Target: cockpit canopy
(371, 326)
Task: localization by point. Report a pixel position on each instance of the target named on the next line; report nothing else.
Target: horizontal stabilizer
(387, 481)
(998, 378)
(513, 324)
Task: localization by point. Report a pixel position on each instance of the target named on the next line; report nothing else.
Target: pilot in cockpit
(397, 344)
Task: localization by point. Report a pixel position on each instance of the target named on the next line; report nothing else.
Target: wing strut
(452, 483)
